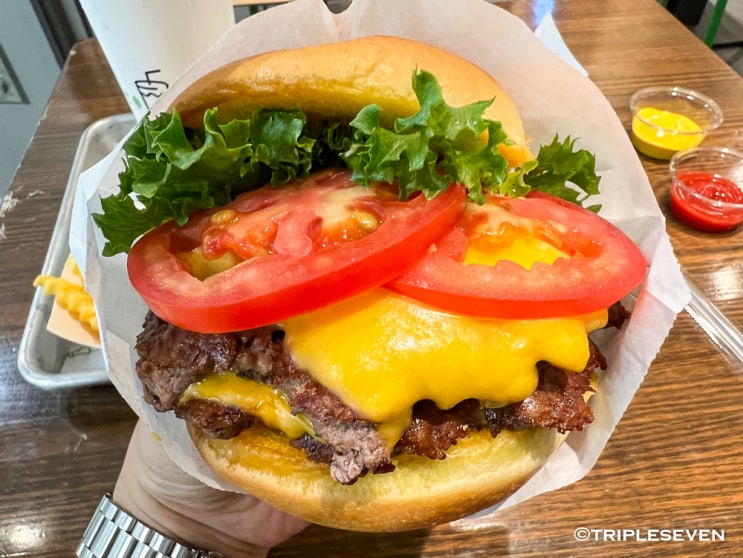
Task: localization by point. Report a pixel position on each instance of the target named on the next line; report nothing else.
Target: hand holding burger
(367, 302)
(152, 488)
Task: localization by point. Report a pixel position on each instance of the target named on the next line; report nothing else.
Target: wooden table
(674, 461)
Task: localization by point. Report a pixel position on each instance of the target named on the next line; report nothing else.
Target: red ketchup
(707, 201)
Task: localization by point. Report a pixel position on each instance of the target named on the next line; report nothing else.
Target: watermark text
(586, 534)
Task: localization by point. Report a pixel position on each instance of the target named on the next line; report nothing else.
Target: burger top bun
(336, 80)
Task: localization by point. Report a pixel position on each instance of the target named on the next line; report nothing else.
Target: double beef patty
(170, 359)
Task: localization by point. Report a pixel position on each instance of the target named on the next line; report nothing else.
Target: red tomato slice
(278, 252)
(571, 262)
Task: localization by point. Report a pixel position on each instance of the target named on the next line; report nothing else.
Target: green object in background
(714, 24)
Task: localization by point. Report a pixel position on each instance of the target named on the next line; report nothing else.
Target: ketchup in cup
(706, 192)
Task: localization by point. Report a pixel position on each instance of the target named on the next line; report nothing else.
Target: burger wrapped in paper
(370, 302)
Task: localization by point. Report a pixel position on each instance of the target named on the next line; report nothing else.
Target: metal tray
(45, 360)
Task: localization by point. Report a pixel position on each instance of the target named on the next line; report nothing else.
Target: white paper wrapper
(552, 97)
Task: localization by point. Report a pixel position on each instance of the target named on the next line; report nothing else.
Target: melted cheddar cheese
(256, 399)
(524, 250)
(380, 352)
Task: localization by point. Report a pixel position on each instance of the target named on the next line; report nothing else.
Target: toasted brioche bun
(478, 471)
(336, 80)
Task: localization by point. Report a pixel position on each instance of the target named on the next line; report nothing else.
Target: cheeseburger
(369, 300)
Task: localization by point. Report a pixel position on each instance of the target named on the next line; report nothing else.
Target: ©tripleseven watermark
(585, 534)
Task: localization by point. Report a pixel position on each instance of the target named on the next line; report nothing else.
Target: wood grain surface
(673, 463)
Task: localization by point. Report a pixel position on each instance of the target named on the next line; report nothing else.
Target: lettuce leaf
(559, 164)
(171, 171)
(431, 149)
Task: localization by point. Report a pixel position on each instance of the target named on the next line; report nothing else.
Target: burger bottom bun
(479, 471)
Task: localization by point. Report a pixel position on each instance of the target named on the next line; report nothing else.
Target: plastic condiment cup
(706, 191)
(666, 120)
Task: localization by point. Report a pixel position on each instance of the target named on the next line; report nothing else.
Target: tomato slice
(524, 258)
(279, 252)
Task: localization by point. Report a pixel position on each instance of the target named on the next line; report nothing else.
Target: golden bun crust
(478, 472)
(336, 80)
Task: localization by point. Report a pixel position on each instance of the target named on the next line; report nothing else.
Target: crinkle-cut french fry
(71, 264)
(71, 297)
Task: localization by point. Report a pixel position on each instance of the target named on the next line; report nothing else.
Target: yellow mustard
(679, 132)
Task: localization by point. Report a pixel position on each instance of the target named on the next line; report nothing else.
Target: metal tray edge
(56, 255)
